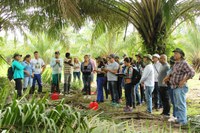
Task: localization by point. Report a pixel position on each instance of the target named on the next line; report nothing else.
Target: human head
(111, 58)
(127, 61)
(76, 60)
(36, 54)
(178, 54)
(163, 59)
(67, 55)
(27, 58)
(156, 58)
(86, 58)
(57, 54)
(172, 61)
(17, 56)
(117, 59)
(138, 57)
(124, 56)
(147, 59)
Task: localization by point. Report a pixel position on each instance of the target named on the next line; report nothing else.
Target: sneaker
(125, 108)
(128, 110)
(172, 119)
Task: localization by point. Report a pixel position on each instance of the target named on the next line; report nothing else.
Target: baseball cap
(17, 54)
(148, 56)
(111, 56)
(156, 55)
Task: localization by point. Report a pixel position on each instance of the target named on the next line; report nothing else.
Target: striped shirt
(67, 66)
(179, 72)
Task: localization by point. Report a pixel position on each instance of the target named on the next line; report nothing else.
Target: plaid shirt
(179, 71)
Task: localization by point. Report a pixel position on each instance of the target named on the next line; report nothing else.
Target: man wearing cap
(156, 95)
(56, 65)
(147, 81)
(178, 78)
(39, 67)
(18, 75)
(111, 70)
(140, 66)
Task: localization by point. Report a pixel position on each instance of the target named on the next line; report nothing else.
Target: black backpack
(136, 76)
(10, 73)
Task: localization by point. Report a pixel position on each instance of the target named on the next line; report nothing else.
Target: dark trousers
(142, 93)
(56, 79)
(164, 94)
(156, 96)
(112, 85)
(18, 86)
(105, 86)
(119, 87)
(133, 92)
(37, 77)
(100, 97)
(128, 94)
(87, 84)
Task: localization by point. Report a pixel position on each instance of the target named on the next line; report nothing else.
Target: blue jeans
(148, 94)
(112, 85)
(37, 77)
(171, 95)
(137, 93)
(180, 104)
(28, 81)
(77, 75)
(100, 83)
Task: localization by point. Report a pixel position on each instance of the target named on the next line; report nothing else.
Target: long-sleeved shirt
(86, 70)
(67, 66)
(179, 71)
(56, 67)
(29, 68)
(18, 69)
(156, 67)
(148, 76)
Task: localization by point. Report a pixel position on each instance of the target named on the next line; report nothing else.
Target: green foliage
(47, 75)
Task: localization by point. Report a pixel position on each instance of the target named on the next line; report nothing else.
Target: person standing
(28, 72)
(39, 67)
(87, 69)
(163, 88)
(128, 85)
(18, 74)
(67, 73)
(77, 70)
(140, 67)
(56, 65)
(111, 70)
(156, 94)
(100, 79)
(178, 78)
(147, 81)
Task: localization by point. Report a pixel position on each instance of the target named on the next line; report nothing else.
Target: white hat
(156, 55)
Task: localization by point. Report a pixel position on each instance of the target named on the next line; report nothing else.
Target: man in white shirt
(156, 95)
(39, 67)
(56, 65)
(147, 81)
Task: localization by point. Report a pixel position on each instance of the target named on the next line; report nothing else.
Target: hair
(127, 60)
(86, 56)
(27, 56)
(67, 55)
(105, 61)
(35, 52)
(77, 60)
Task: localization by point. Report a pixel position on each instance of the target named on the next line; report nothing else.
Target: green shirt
(18, 69)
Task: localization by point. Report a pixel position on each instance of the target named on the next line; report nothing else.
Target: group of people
(147, 79)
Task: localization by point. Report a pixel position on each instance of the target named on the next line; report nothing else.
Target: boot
(52, 88)
(32, 90)
(68, 88)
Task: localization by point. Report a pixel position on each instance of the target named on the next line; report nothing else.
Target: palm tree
(155, 20)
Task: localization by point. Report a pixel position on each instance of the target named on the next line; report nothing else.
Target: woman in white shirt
(77, 69)
(147, 81)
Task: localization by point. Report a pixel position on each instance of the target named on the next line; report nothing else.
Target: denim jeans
(180, 104)
(28, 81)
(76, 75)
(87, 84)
(37, 77)
(148, 94)
(100, 83)
(128, 94)
(171, 94)
(137, 94)
(112, 85)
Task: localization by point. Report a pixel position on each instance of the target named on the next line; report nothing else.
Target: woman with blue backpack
(18, 73)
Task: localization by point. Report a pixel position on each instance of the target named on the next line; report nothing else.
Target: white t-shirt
(37, 65)
(156, 67)
(77, 67)
(112, 66)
